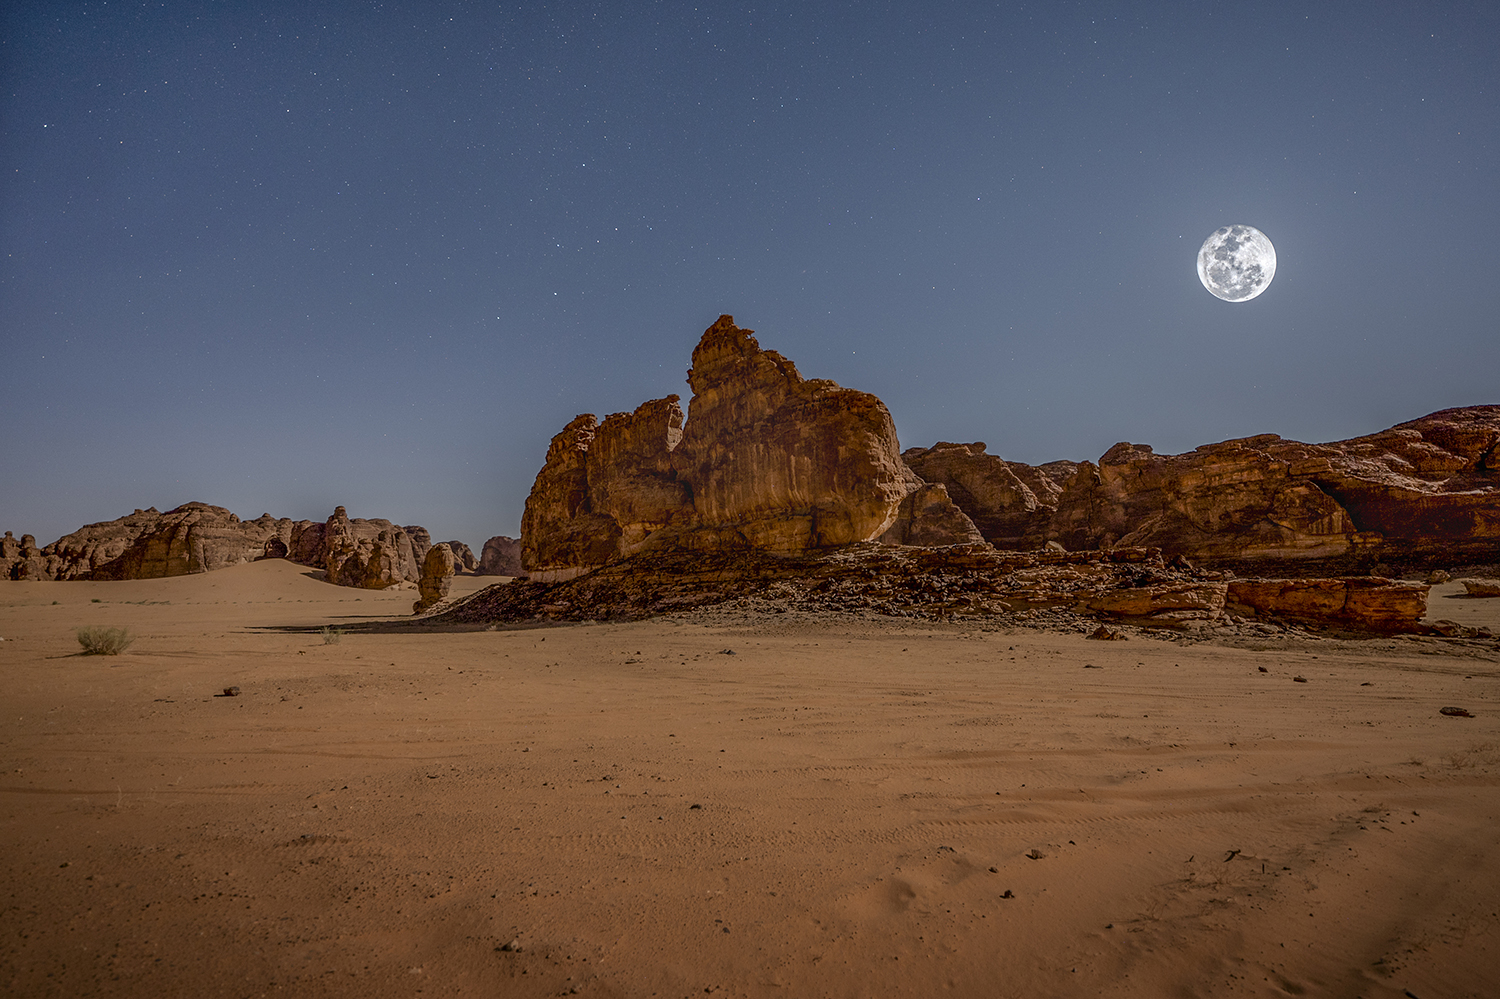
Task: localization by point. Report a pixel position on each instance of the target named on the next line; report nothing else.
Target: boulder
(1161, 603)
(1364, 603)
(437, 577)
(765, 460)
(1482, 587)
(501, 556)
(23, 560)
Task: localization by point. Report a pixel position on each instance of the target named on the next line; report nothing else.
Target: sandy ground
(855, 808)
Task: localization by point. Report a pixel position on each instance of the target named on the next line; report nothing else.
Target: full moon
(1236, 263)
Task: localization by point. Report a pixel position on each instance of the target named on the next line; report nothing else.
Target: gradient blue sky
(283, 256)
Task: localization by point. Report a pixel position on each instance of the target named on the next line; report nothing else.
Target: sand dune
(838, 808)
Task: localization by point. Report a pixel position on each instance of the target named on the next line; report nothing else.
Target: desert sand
(731, 804)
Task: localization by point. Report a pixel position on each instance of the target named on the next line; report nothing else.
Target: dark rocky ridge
(1129, 585)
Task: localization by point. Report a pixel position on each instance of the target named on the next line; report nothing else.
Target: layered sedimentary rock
(1422, 492)
(785, 463)
(1369, 603)
(765, 460)
(560, 532)
(198, 537)
(437, 577)
(1010, 503)
(501, 556)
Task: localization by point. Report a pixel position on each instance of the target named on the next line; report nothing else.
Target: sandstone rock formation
(383, 567)
(765, 460)
(372, 554)
(437, 577)
(786, 464)
(929, 517)
(501, 556)
(22, 559)
(146, 544)
(1369, 603)
(197, 537)
(463, 557)
(1010, 503)
(1419, 493)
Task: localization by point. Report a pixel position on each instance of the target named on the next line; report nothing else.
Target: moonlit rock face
(1236, 263)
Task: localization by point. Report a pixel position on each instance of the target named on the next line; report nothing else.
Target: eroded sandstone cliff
(198, 537)
(764, 460)
(1425, 492)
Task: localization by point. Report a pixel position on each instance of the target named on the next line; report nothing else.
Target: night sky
(283, 256)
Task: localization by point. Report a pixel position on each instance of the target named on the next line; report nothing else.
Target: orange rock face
(1424, 491)
(766, 460)
(1368, 603)
(1010, 503)
(784, 462)
(437, 577)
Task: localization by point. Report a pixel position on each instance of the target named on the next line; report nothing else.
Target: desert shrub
(331, 636)
(104, 641)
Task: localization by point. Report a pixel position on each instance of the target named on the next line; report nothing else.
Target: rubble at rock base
(1127, 586)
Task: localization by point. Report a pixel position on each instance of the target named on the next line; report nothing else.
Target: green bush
(331, 636)
(104, 641)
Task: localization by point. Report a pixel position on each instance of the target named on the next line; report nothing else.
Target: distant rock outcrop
(1422, 493)
(437, 577)
(372, 554)
(463, 557)
(147, 544)
(197, 537)
(22, 559)
(501, 556)
(765, 460)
